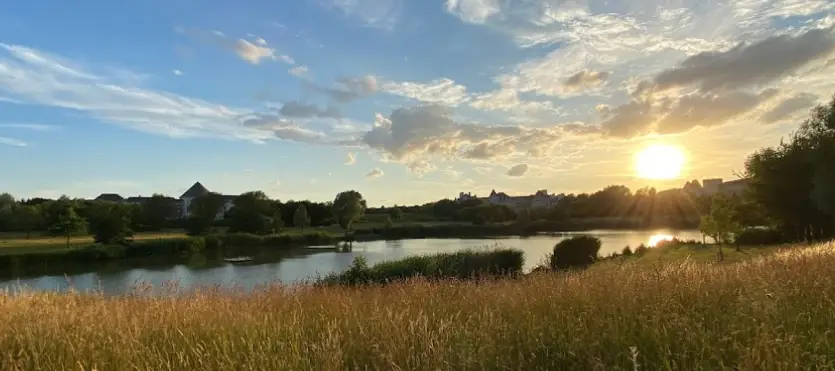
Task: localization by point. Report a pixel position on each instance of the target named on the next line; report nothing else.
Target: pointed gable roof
(195, 191)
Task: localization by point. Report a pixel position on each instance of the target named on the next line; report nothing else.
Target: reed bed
(769, 313)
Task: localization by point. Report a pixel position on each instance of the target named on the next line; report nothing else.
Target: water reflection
(655, 239)
(267, 267)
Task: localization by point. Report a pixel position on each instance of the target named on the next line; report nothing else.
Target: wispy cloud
(26, 126)
(350, 159)
(12, 142)
(374, 173)
(253, 52)
(373, 13)
(177, 72)
(33, 77)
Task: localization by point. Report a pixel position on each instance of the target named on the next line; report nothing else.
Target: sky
(406, 101)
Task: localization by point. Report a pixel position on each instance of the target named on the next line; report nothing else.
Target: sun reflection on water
(656, 238)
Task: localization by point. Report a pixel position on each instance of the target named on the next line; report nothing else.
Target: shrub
(641, 249)
(757, 236)
(626, 251)
(575, 252)
(467, 264)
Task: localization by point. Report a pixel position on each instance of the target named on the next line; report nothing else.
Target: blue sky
(405, 101)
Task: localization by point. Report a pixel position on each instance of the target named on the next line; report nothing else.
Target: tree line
(114, 222)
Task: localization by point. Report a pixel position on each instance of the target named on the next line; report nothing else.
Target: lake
(308, 263)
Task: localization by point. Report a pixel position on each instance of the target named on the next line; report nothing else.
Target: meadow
(768, 312)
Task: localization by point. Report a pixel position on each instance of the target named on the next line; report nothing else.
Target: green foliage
(721, 223)
(27, 218)
(641, 249)
(575, 252)
(250, 214)
(300, 218)
(795, 181)
(157, 211)
(348, 207)
(396, 213)
(207, 207)
(523, 217)
(387, 224)
(68, 224)
(278, 224)
(626, 251)
(468, 264)
(109, 223)
(197, 226)
(760, 236)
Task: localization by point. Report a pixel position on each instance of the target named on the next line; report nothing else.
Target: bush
(626, 251)
(575, 252)
(641, 249)
(467, 264)
(757, 236)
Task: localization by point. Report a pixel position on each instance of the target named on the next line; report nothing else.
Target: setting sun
(659, 161)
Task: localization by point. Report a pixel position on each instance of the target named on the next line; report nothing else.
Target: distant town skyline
(404, 101)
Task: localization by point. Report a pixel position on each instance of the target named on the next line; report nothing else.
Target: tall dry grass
(771, 313)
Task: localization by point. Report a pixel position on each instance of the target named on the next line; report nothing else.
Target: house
(540, 200)
(716, 185)
(198, 190)
(182, 205)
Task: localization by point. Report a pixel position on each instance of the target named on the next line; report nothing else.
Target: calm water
(306, 265)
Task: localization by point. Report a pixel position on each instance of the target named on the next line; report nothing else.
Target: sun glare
(659, 161)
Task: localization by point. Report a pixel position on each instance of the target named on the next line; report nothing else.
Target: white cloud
(441, 91)
(253, 53)
(299, 71)
(350, 159)
(473, 11)
(30, 76)
(374, 13)
(374, 173)
(27, 126)
(177, 72)
(12, 142)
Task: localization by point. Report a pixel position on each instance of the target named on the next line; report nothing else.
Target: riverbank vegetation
(767, 313)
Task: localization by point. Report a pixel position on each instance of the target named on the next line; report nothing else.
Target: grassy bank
(768, 313)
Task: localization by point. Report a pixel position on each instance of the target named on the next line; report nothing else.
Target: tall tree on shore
(300, 218)
(347, 208)
(202, 212)
(110, 223)
(68, 224)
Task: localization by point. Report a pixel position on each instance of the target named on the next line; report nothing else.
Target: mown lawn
(770, 312)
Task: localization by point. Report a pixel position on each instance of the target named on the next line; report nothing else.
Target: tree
(68, 224)
(251, 213)
(202, 212)
(110, 223)
(157, 211)
(523, 217)
(396, 213)
(7, 205)
(387, 224)
(347, 207)
(278, 223)
(27, 218)
(300, 218)
(207, 206)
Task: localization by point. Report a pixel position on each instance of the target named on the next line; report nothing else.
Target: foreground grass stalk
(770, 313)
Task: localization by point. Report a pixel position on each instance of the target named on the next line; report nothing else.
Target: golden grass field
(773, 312)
